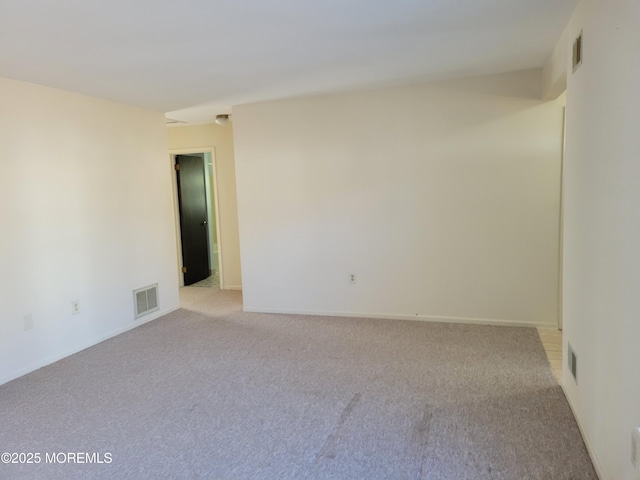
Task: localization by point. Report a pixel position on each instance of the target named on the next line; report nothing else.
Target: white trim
(561, 222)
(211, 226)
(585, 437)
(232, 287)
(176, 218)
(214, 184)
(405, 316)
(216, 206)
(54, 358)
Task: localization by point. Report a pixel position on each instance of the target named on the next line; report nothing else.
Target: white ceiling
(194, 59)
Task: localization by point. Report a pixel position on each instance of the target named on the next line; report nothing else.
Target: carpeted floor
(211, 392)
(211, 281)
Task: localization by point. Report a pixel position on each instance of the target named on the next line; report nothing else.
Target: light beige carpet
(211, 392)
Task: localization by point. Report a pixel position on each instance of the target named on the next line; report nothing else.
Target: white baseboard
(585, 437)
(54, 358)
(404, 316)
(232, 287)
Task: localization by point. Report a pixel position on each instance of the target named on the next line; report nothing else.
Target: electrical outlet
(75, 307)
(352, 278)
(28, 322)
(635, 449)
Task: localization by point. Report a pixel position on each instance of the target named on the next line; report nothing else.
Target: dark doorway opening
(193, 209)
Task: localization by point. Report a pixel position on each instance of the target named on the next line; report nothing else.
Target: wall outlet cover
(28, 322)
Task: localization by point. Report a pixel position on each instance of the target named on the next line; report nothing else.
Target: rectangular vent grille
(635, 449)
(577, 52)
(145, 300)
(573, 362)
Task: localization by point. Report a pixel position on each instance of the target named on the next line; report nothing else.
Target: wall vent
(145, 300)
(577, 52)
(572, 360)
(635, 449)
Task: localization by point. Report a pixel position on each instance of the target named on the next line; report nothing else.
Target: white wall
(86, 214)
(602, 230)
(193, 138)
(554, 72)
(442, 198)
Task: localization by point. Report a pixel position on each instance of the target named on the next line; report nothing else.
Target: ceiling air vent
(145, 300)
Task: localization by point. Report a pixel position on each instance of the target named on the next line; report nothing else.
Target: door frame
(176, 206)
(561, 226)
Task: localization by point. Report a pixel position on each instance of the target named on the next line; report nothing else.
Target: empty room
(319, 240)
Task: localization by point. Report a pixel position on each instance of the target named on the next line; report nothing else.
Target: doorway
(197, 217)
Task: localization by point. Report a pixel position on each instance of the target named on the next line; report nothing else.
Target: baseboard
(404, 316)
(232, 287)
(54, 358)
(585, 437)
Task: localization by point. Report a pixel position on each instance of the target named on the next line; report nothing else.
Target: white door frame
(561, 226)
(216, 204)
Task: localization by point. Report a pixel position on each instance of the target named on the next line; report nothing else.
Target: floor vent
(572, 360)
(145, 300)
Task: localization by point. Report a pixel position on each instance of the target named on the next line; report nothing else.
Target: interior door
(192, 201)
